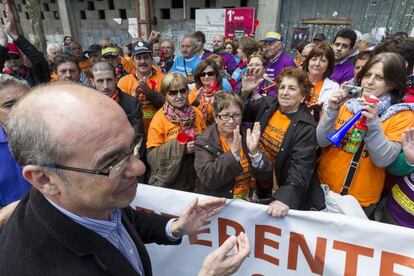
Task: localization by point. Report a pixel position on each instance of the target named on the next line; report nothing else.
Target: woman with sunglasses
(226, 163)
(208, 82)
(288, 140)
(171, 135)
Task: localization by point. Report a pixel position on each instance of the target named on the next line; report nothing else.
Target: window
(52, 1)
(91, 6)
(165, 13)
(2, 21)
(45, 7)
(24, 2)
(210, 3)
(82, 14)
(193, 12)
(42, 15)
(177, 4)
(27, 15)
(122, 14)
(243, 3)
(111, 5)
(56, 15)
(19, 8)
(101, 14)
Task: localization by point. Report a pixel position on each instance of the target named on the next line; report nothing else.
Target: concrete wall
(92, 28)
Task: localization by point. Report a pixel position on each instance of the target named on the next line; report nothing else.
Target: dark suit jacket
(40, 240)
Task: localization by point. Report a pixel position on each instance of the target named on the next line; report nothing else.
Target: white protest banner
(303, 243)
(210, 22)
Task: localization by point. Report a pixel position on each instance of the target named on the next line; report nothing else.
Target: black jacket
(133, 110)
(39, 72)
(40, 240)
(297, 156)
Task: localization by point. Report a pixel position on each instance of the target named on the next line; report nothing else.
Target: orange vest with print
(162, 130)
(368, 180)
(273, 135)
(208, 114)
(244, 181)
(129, 83)
(315, 93)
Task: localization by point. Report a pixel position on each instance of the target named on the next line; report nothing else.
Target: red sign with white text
(239, 22)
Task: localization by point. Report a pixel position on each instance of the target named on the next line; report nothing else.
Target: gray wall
(397, 15)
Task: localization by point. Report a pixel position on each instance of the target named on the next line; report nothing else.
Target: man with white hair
(53, 51)
(187, 63)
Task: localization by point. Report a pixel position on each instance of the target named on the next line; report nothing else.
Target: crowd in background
(245, 120)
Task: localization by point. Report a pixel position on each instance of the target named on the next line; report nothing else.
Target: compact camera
(353, 91)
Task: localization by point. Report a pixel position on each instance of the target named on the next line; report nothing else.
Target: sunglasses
(174, 93)
(13, 56)
(210, 74)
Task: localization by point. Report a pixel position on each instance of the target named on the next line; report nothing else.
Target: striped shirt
(112, 230)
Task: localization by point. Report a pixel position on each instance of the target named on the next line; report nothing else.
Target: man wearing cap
(318, 38)
(277, 58)
(110, 54)
(145, 82)
(93, 53)
(342, 45)
(230, 63)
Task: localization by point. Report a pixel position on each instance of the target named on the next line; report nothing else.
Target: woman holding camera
(171, 135)
(384, 77)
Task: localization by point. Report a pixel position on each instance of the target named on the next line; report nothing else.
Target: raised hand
(196, 214)
(223, 262)
(408, 145)
(252, 138)
(337, 99)
(251, 80)
(236, 144)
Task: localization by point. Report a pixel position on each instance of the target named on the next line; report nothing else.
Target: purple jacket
(230, 62)
(274, 67)
(343, 72)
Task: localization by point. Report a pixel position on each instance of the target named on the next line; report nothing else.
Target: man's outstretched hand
(196, 214)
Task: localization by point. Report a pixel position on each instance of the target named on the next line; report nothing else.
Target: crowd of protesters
(245, 120)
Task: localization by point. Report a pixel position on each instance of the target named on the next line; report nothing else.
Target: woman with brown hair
(288, 140)
(319, 65)
(171, 135)
(226, 163)
(208, 82)
(384, 77)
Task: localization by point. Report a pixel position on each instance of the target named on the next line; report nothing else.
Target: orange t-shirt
(162, 130)
(315, 93)
(129, 83)
(128, 64)
(53, 76)
(273, 135)
(244, 181)
(368, 180)
(208, 114)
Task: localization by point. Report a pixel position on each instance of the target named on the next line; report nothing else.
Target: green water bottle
(356, 137)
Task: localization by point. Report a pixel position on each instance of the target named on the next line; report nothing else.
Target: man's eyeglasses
(13, 56)
(210, 74)
(226, 117)
(111, 171)
(174, 93)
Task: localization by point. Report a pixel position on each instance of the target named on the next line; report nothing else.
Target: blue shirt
(12, 184)
(186, 67)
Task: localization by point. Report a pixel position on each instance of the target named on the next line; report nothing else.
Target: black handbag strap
(353, 166)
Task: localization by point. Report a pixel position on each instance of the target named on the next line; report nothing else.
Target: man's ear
(41, 179)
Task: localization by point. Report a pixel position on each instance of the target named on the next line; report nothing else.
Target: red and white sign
(239, 22)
